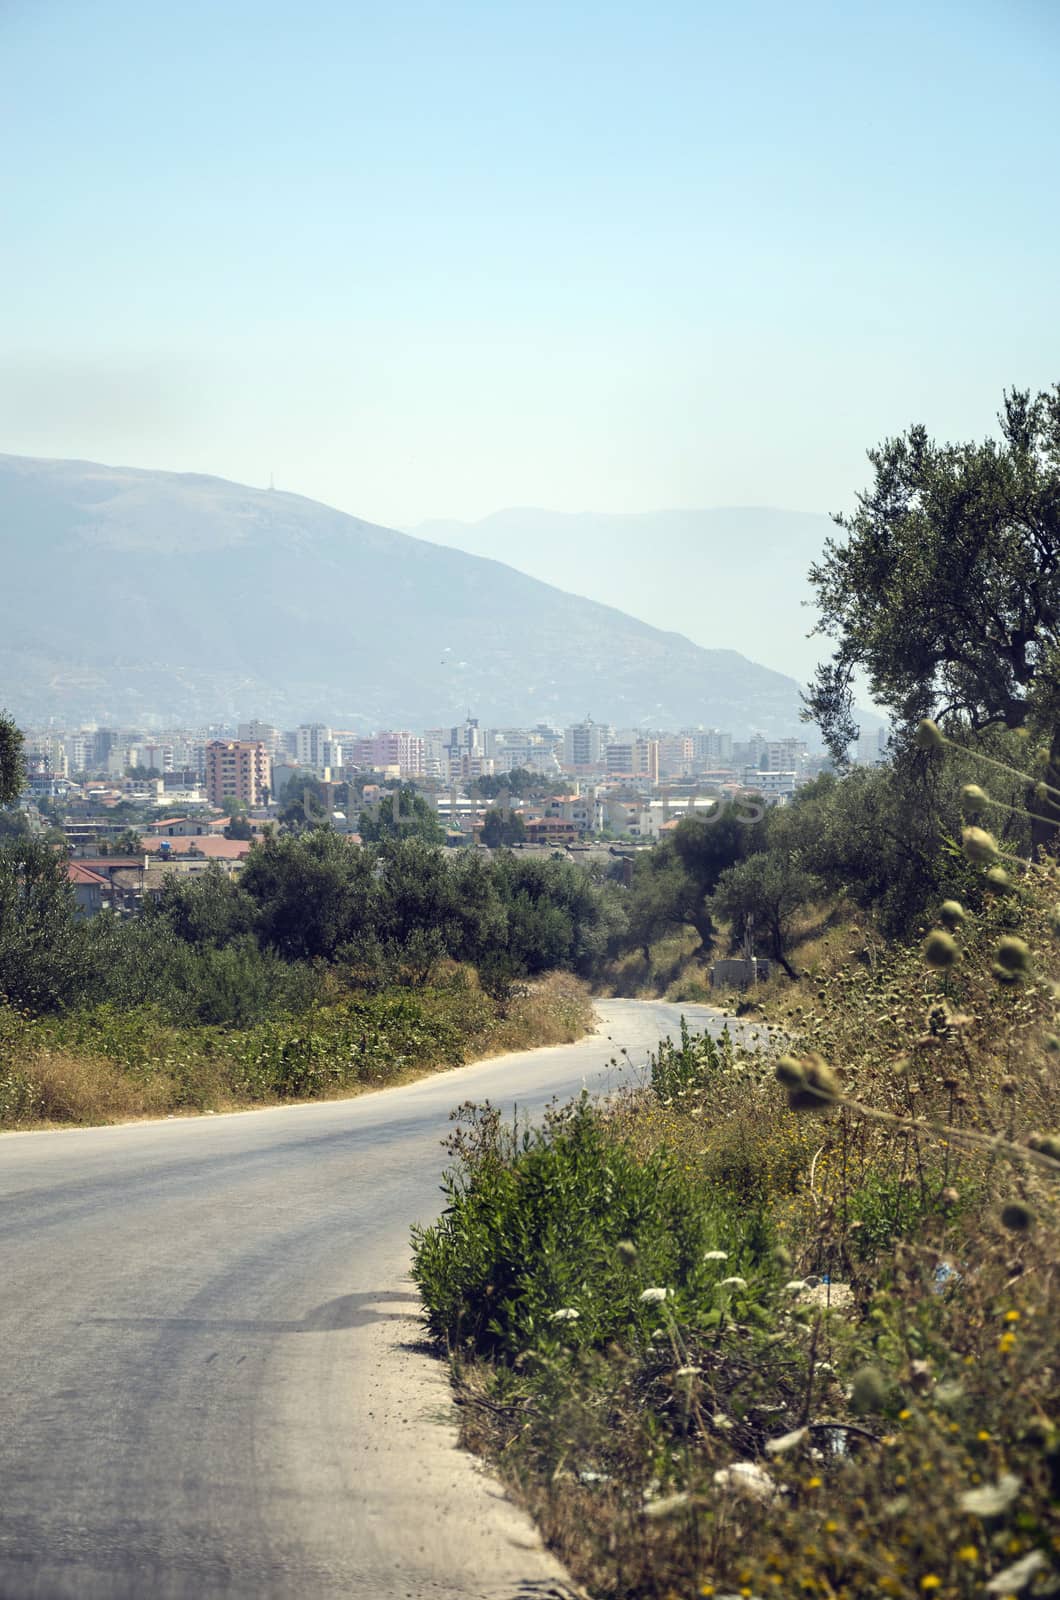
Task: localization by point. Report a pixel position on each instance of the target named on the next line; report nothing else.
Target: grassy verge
(749, 1337)
(109, 1063)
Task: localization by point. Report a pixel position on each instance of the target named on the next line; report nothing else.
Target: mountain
(158, 598)
(731, 576)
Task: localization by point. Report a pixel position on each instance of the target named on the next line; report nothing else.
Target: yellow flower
(904, 1415)
(969, 1553)
(814, 1483)
(1012, 1316)
(931, 1582)
(1005, 1343)
(831, 1527)
(708, 1589)
(983, 1434)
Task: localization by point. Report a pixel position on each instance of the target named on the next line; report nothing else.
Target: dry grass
(118, 1068)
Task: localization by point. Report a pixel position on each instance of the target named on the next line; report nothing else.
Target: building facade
(237, 769)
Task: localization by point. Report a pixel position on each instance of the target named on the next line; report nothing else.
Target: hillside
(162, 597)
(730, 576)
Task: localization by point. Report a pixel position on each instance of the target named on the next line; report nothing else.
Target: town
(132, 808)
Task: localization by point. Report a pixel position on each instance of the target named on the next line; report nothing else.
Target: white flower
(687, 1372)
(669, 1503)
(796, 1286)
(1018, 1576)
(721, 1421)
(716, 1255)
(993, 1498)
(651, 1297)
(733, 1283)
(787, 1441)
(565, 1314)
(746, 1478)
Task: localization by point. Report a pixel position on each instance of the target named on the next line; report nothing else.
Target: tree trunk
(1045, 811)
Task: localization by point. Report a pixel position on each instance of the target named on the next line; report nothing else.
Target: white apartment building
(261, 733)
(317, 747)
(584, 744)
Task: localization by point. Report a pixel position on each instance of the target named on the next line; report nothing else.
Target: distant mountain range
(731, 576)
(154, 598)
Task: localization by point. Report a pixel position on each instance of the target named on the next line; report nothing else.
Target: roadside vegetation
(324, 968)
(785, 1322)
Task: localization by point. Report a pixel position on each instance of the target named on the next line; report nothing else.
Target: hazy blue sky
(431, 259)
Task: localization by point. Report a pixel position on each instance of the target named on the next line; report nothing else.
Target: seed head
(951, 914)
(869, 1390)
(940, 950)
(819, 1086)
(1013, 954)
(978, 845)
(789, 1072)
(626, 1251)
(974, 800)
(997, 880)
(928, 736)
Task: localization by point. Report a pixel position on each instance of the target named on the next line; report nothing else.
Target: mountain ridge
(188, 597)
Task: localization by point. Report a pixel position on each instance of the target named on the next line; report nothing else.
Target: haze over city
(431, 262)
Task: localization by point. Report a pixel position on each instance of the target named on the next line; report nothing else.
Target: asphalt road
(211, 1382)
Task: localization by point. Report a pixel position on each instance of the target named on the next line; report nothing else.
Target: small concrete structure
(740, 972)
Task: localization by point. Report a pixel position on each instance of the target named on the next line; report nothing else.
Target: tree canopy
(946, 589)
(12, 771)
(402, 815)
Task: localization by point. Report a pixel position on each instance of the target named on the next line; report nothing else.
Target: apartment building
(237, 769)
(584, 744)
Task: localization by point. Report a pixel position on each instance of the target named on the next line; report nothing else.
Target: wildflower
(1005, 1343)
(786, 1442)
(1012, 1316)
(746, 1478)
(993, 1499)
(733, 1283)
(904, 1414)
(951, 914)
(978, 845)
(796, 1286)
(930, 1581)
(1015, 1579)
(651, 1297)
(716, 1255)
(940, 950)
(968, 1553)
(687, 1372)
(997, 881)
(626, 1251)
(669, 1503)
(564, 1314)
(813, 1483)
(983, 1435)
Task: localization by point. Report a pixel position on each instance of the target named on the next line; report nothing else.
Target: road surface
(212, 1382)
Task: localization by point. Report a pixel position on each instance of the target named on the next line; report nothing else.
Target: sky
(428, 260)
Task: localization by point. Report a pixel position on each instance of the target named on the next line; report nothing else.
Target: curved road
(211, 1377)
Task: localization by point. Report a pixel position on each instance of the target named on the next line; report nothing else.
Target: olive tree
(946, 587)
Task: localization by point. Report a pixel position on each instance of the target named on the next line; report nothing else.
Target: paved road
(210, 1376)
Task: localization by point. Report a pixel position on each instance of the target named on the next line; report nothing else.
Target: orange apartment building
(237, 769)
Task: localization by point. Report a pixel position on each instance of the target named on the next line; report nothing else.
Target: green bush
(567, 1219)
